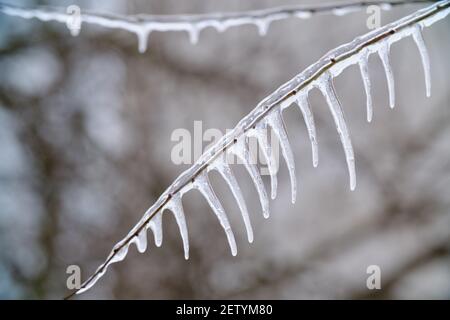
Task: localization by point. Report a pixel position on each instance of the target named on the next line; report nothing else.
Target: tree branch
(142, 24)
(333, 62)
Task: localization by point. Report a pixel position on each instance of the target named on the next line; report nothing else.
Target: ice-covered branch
(142, 25)
(268, 113)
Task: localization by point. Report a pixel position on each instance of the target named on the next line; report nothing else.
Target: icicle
(193, 34)
(202, 184)
(303, 104)
(364, 68)
(263, 26)
(156, 225)
(261, 132)
(219, 25)
(383, 52)
(240, 149)
(227, 174)
(141, 240)
(418, 39)
(175, 205)
(142, 35)
(275, 120)
(327, 88)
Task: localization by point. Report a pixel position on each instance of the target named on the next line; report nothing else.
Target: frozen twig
(143, 24)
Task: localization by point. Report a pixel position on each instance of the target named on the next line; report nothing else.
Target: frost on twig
(143, 24)
(269, 113)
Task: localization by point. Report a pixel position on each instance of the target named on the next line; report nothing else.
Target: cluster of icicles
(143, 25)
(264, 117)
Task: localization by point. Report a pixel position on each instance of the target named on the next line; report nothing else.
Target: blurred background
(85, 149)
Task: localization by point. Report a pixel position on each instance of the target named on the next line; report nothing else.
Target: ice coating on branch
(240, 149)
(224, 169)
(383, 52)
(325, 84)
(275, 120)
(364, 69)
(344, 55)
(142, 24)
(100, 272)
(346, 10)
(303, 14)
(121, 253)
(202, 184)
(418, 39)
(308, 117)
(156, 226)
(261, 133)
(176, 206)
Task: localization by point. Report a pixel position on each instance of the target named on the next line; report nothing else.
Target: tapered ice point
(308, 117)
(156, 226)
(261, 134)
(141, 240)
(325, 84)
(202, 184)
(176, 206)
(263, 26)
(193, 34)
(364, 68)
(225, 171)
(240, 149)
(275, 120)
(383, 52)
(142, 35)
(418, 39)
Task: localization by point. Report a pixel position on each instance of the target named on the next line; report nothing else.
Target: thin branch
(333, 62)
(142, 24)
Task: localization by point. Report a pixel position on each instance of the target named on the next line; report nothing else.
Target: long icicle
(418, 39)
(325, 84)
(308, 117)
(275, 120)
(202, 184)
(176, 206)
(224, 169)
(261, 134)
(364, 69)
(156, 225)
(383, 52)
(240, 149)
